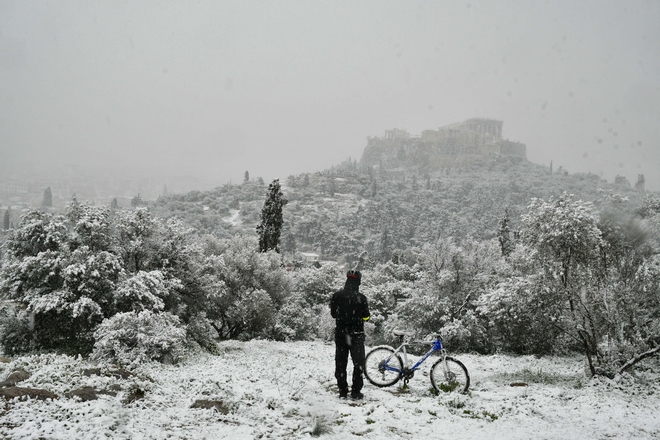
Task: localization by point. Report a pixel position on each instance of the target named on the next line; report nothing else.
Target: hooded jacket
(349, 308)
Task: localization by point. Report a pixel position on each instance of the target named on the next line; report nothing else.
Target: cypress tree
(47, 201)
(504, 235)
(137, 201)
(270, 228)
(7, 220)
(74, 211)
(331, 187)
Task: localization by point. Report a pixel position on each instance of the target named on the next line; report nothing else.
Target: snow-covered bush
(314, 285)
(444, 299)
(15, 334)
(72, 273)
(304, 315)
(243, 288)
(523, 320)
(131, 338)
(200, 330)
(295, 321)
(386, 288)
(144, 291)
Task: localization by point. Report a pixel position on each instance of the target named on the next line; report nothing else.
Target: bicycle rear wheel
(454, 379)
(382, 367)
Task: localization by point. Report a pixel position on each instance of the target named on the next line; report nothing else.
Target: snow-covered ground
(284, 390)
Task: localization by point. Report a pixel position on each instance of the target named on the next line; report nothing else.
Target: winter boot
(356, 395)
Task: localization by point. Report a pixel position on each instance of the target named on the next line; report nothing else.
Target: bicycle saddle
(401, 333)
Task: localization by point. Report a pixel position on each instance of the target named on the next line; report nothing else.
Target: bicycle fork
(450, 376)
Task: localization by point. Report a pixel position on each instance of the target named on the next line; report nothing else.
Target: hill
(340, 212)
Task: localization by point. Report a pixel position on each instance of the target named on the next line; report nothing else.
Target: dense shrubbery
(576, 279)
(132, 287)
(66, 277)
(305, 314)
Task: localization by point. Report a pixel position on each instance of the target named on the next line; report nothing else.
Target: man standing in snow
(350, 310)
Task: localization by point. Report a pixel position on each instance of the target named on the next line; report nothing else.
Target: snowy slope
(281, 390)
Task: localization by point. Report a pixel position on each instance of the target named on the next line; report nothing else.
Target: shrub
(132, 338)
(15, 334)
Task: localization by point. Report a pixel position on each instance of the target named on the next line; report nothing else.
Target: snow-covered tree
(68, 289)
(589, 279)
(565, 235)
(144, 291)
(72, 273)
(137, 239)
(445, 298)
(91, 227)
(521, 312)
(243, 288)
(270, 227)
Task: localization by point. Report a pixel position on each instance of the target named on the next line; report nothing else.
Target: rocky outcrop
(16, 376)
(88, 393)
(136, 394)
(9, 390)
(118, 373)
(217, 405)
(32, 393)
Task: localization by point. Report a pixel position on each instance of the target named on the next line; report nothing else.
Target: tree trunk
(587, 351)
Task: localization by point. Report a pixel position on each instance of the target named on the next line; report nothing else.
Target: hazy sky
(284, 87)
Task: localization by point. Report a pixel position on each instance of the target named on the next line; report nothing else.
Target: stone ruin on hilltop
(449, 146)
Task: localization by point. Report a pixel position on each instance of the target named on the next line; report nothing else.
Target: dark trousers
(354, 344)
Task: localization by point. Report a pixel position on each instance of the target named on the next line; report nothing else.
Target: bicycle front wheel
(383, 367)
(453, 378)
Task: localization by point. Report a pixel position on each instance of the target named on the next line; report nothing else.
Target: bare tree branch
(639, 358)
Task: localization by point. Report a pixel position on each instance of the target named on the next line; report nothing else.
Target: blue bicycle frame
(437, 346)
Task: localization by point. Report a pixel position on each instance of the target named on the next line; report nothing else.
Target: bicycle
(384, 366)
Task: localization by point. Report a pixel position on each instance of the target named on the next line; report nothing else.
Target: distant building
(13, 187)
(453, 144)
(308, 257)
(640, 182)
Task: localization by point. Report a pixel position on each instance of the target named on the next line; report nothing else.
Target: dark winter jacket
(349, 308)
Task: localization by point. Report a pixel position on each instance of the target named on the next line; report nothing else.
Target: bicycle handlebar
(404, 334)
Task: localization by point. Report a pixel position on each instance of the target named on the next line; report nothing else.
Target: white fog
(211, 89)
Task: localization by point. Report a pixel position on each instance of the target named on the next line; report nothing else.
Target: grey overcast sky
(215, 88)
